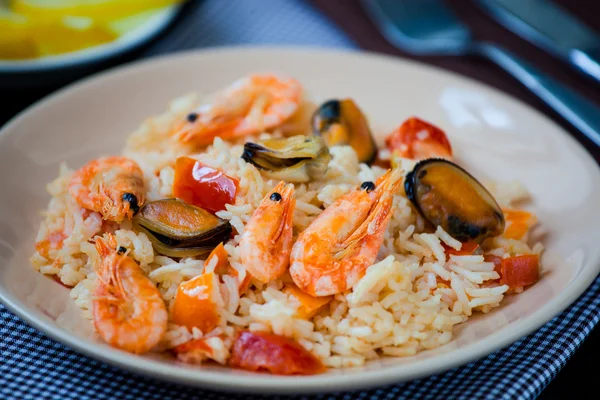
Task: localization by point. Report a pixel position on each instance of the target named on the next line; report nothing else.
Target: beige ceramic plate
(493, 136)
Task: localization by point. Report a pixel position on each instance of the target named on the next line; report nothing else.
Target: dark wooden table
(580, 371)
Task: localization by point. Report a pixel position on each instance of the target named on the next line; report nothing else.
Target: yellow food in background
(15, 41)
(39, 28)
(56, 39)
(20, 47)
(30, 38)
(99, 10)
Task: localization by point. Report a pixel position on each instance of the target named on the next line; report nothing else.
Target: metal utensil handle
(588, 61)
(573, 107)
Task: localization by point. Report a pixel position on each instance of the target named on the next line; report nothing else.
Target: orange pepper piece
(224, 268)
(193, 352)
(309, 305)
(193, 345)
(245, 284)
(518, 223)
(193, 306)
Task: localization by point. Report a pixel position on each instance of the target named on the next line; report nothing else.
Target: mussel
(294, 159)
(342, 122)
(448, 196)
(179, 229)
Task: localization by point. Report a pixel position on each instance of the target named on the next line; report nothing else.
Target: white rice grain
(483, 292)
(434, 244)
(446, 238)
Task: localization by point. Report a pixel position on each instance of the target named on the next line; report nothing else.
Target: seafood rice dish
(258, 230)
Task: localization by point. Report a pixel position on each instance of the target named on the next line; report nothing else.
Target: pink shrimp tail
(106, 246)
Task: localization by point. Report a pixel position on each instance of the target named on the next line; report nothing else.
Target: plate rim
(348, 380)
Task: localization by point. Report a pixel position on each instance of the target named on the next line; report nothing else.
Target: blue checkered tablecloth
(33, 366)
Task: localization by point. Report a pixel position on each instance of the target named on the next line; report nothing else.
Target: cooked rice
(397, 309)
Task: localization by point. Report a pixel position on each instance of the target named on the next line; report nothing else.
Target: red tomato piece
(203, 186)
(467, 249)
(496, 260)
(417, 139)
(520, 271)
(259, 351)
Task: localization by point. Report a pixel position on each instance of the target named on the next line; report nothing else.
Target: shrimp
(129, 312)
(333, 253)
(248, 106)
(267, 239)
(112, 186)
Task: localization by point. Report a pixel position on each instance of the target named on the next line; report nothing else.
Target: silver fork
(428, 27)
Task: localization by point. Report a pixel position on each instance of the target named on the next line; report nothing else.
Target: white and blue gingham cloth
(35, 367)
